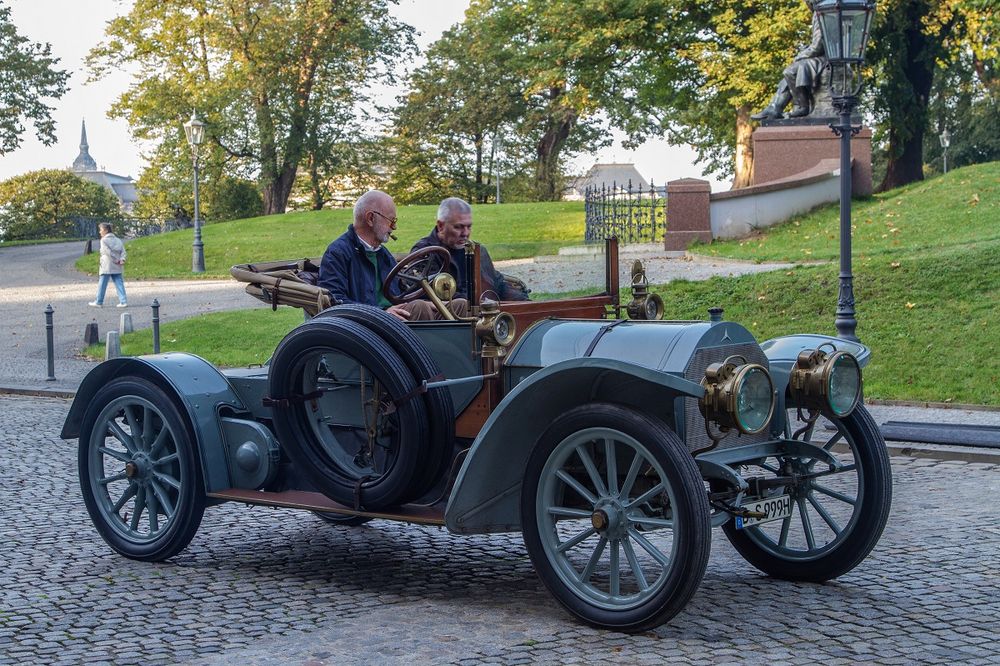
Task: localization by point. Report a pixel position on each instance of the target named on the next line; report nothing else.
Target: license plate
(773, 508)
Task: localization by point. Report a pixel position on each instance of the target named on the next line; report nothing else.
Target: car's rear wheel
(139, 472)
(346, 412)
(615, 517)
(837, 515)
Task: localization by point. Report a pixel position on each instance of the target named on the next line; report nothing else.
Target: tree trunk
(315, 185)
(744, 149)
(908, 117)
(477, 141)
(547, 150)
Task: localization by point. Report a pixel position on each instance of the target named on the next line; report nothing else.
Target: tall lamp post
(195, 131)
(945, 142)
(845, 25)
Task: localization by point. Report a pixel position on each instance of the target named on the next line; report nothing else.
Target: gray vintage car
(612, 444)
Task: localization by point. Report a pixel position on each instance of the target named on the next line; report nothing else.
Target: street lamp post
(195, 131)
(945, 142)
(845, 25)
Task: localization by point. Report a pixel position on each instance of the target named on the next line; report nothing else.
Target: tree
(262, 74)
(28, 77)
(40, 204)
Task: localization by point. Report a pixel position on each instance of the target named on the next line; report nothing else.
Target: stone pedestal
(786, 150)
(688, 215)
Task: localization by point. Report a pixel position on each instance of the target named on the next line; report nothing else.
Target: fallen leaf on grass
(910, 306)
(974, 200)
(894, 264)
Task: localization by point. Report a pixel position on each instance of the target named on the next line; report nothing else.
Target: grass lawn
(927, 283)
(509, 231)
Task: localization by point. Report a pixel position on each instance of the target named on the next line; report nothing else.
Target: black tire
(868, 486)
(440, 409)
(341, 519)
(330, 461)
(144, 467)
(627, 601)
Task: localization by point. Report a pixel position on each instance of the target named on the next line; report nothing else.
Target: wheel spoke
(633, 473)
(611, 461)
(147, 427)
(833, 440)
(161, 437)
(615, 573)
(575, 485)
(173, 457)
(164, 499)
(111, 479)
(151, 509)
(126, 496)
(116, 431)
(567, 512)
(835, 495)
(588, 464)
(133, 424)
(806, 524)
(167, 479)
(140, 504)
(566, 545)
(649, 548)
(652, 522)
(595, 557)
(633, 563)
(646, 496)
(786, 523)
(824, 514)
(117, 455)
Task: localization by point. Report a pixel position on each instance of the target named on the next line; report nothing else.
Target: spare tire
(344, 411)
(440, 408)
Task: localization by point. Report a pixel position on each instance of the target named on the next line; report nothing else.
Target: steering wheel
(414, 272)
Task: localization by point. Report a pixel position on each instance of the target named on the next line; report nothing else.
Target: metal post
(497, 139)
(156, 326)
(50, 344)
(845, 322)
(197, 248)
(946, 160)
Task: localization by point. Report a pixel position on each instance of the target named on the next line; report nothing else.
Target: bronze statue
(801, 83)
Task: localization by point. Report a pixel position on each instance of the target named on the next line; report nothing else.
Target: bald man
(356, 264)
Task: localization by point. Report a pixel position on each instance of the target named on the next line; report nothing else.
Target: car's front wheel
(615, 517)
(139, 471)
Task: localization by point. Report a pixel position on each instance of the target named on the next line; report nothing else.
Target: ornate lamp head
(845, 25)
(195, 130)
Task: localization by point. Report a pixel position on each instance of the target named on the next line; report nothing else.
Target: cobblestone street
(271, 586)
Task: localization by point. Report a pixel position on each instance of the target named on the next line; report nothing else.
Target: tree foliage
(40, 204)
(28, 77)
(264, 75)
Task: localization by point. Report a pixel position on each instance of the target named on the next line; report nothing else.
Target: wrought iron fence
(125, 227)
(633, 215)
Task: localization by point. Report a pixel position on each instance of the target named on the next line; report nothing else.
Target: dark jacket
(490, 279)
(347, 273)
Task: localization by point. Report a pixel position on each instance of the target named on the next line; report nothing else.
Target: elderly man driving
(356, 264)
(453, 228)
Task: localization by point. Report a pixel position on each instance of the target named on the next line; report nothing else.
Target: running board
(420, 514)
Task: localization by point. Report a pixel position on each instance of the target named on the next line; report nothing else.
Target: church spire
(83, 161)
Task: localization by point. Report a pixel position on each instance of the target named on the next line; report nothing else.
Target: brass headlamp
(643, 305)
(497, 329)
(826, 381)
(739, 396)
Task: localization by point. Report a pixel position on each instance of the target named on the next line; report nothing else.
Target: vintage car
(612, 444)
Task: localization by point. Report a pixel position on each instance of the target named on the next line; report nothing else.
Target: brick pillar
(688, 217)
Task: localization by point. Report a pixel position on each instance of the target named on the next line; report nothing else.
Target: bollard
(125, 323)
(91, 334)
(156, 326)
(50, 344)
(113, 347)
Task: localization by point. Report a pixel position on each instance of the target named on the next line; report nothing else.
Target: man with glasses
(356, 264)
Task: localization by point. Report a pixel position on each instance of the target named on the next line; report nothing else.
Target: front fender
(486, 496)
(198, 388)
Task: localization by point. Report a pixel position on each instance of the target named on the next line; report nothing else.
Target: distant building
(605, 175)
(85, 167)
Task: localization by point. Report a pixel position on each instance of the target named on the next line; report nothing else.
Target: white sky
(72, 27)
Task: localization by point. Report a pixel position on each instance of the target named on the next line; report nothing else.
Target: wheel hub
(609, 520)
(138, 468)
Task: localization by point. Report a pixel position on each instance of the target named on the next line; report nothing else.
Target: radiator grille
(696, 437)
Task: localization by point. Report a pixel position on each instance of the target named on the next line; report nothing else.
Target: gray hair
(105, 227)
(366, 202)
(453, 206)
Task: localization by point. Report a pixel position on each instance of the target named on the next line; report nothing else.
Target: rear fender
(196, 386)
(486, 496)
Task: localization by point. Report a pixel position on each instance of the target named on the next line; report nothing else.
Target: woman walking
(112, 262)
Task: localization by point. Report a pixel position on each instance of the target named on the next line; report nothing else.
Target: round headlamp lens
(844, 387)
(754, 400)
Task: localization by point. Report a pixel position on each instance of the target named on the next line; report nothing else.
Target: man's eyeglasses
(391, 220)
